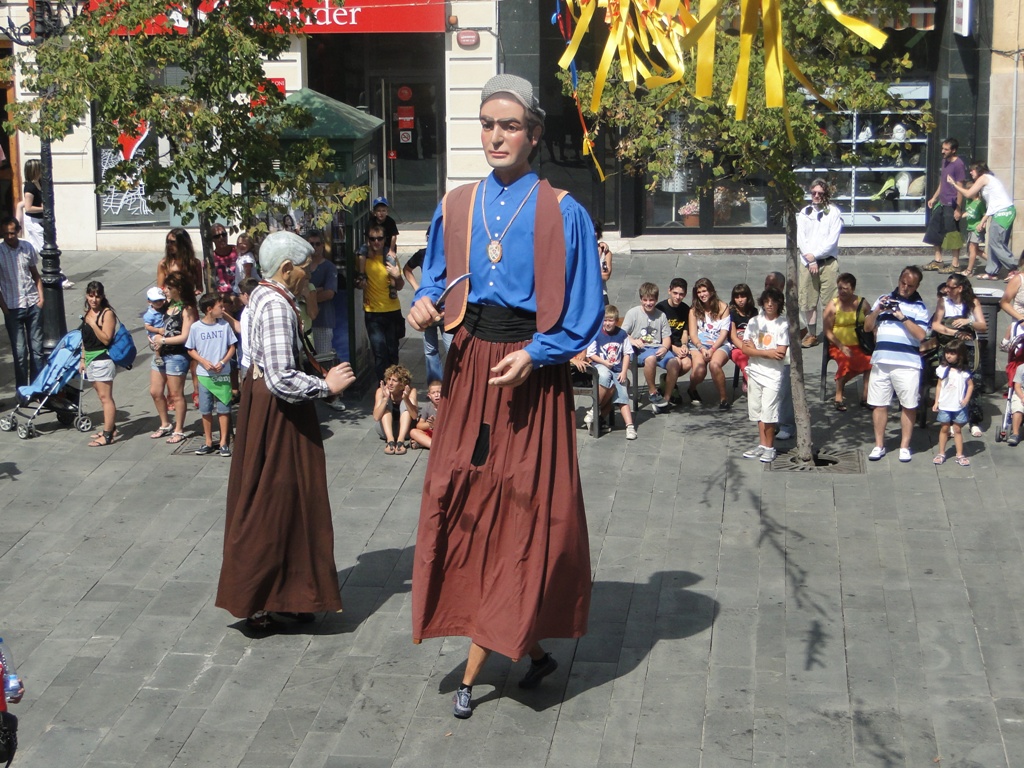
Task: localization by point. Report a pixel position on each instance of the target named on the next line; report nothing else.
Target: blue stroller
(57, 388)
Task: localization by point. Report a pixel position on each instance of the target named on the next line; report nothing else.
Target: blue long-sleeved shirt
(510, 282)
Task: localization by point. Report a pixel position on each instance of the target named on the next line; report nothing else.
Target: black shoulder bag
(865, 339)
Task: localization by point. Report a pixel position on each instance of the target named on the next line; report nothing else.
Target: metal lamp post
(48, 20)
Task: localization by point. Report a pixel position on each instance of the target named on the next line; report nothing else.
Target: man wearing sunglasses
(380, 279)
(817, 237)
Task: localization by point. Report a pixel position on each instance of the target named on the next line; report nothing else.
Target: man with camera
(900, 323)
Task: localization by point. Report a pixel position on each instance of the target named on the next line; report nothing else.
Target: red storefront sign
(324, 17)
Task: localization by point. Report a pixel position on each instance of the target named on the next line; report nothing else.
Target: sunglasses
(375, 239)
(220, 236)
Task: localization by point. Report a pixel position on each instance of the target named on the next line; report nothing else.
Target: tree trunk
(801, 409)
(207, 242)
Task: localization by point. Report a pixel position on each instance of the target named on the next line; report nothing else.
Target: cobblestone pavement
(741, 616)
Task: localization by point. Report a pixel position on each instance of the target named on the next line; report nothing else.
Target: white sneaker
(975, 431)
(630, 432)
(588, 419)
(876, 453)
(905, 455)
(768, 456)
(755, 453)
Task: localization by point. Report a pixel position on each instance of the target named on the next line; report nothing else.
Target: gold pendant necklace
(494, 252)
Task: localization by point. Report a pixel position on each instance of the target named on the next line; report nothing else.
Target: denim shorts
(647, 352)
(609, 379)
(172, 365)
(956, 417)
(208, 403)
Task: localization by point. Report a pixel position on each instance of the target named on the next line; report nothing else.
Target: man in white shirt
(817, 236)
(21, 299)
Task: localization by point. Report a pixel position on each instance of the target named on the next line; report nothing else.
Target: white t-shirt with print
(767, 334)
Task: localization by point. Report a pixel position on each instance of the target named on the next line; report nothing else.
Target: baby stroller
(1014, 358)
(54, 389)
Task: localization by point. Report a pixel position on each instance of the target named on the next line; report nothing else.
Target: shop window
(741, 204)
(877, 165)
(133, 206)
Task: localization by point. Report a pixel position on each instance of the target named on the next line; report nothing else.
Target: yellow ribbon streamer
(639, 29)
(860, 28)
(582, 25)
(706, 60)
(749, 20)
(794, 70)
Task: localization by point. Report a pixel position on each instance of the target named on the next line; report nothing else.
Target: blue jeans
(25, 329)
(435, 370)
(382, 329)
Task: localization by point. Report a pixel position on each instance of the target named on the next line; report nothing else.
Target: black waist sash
(499, 324)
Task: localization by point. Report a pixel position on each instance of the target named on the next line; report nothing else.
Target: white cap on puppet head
(280, 247)
(518, 88)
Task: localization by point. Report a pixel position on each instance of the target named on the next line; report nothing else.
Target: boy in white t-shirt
(765, 342)
(211, 343)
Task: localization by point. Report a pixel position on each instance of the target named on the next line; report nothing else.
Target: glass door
(412, 168)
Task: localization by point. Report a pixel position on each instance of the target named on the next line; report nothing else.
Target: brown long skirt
(502, 554)
(278, 536)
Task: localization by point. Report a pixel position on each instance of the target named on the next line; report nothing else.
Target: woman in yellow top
(841, 316)
(380, 279)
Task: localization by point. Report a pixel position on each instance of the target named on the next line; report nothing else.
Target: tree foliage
(844, 68)
(197, 79)
(852, 74)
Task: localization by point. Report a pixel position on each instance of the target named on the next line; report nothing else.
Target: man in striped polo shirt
(900, 322)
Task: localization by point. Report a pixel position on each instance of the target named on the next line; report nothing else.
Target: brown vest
(457, 210)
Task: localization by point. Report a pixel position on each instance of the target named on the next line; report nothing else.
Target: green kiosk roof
(332, 119)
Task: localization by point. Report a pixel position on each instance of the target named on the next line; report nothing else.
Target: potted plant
(690, 213)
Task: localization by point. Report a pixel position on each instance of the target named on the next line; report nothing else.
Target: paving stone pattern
(740, 617)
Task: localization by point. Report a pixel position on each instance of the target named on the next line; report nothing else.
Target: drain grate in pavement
(188, 446)
(833, 462)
